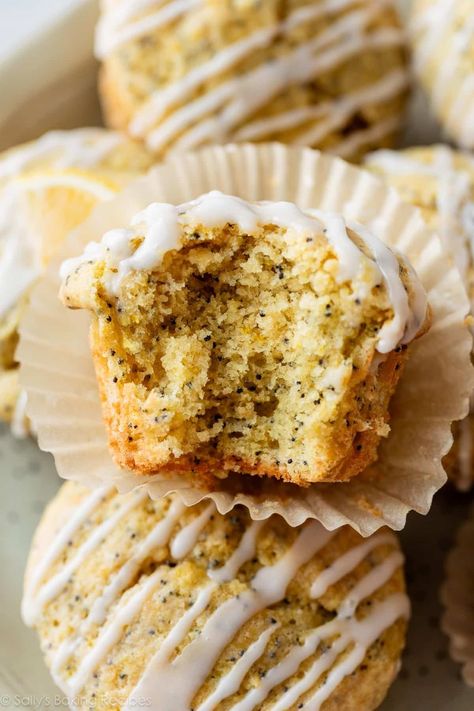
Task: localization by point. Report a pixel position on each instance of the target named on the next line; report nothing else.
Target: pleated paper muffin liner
(63, 398)
(457, 595)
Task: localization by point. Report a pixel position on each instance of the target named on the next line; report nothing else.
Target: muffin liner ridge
(457, 596)
(58, 374)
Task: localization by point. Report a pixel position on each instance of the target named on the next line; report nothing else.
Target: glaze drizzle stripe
(110, 36)
(244, 552)
(185, 540)
(383, 616)
(405, 324)
(230, 683)
(366, 137)
(111, 633)
(347, 562)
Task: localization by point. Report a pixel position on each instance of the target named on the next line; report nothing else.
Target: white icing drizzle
(232, 614)
(407, 319)
(185, 540)
(113, 30)
(238, 98)
(347, 562)
(160, 226)
(348, 629)
(111, 34)
(34, 603)
(172, 681)
(364, 634)
(163, 100)
(432, 28)
(172, 110)
(244, 551)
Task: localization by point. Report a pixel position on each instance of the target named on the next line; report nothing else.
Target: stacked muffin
(140, 601)
(248, 353)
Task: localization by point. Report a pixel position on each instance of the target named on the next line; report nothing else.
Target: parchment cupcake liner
(457, 595)
(63, 399)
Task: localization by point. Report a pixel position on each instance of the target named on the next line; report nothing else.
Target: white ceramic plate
(47, 70)
(49, 82)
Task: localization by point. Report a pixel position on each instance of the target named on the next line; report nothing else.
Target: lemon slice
(37, 211)
(55, 202)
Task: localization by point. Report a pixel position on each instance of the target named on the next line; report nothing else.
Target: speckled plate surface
(429, 680)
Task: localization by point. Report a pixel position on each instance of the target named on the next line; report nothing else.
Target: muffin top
(440, 181)
(246, 337)
(141, 601)
(443, 39)
(182, 74)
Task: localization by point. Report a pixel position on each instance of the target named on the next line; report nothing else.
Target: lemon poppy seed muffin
(81, 148)
(443, 42)
(48, 187)
(440, 181)
(182, 74)
(149, 602)
(246, 337)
